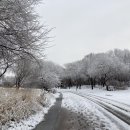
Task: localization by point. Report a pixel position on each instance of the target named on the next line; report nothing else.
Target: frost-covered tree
(88, 69)
(73, 75)
(102, 68)
(21, 34)
(50, 74)
(122, 55)
(106, 69)
(23, 69)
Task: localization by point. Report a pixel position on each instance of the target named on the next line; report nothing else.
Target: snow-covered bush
(19, 104)
(49, 75)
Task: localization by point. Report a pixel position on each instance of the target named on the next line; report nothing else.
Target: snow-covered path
(84, 114)
(121, 110)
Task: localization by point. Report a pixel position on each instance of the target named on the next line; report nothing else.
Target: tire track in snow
(117, 104)
(122, 115)
(87, 113)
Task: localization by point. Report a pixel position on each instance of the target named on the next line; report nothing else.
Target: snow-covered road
(121, 110)
(88, 112)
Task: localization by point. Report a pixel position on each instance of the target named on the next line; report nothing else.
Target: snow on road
(118, 95)
(86, 115)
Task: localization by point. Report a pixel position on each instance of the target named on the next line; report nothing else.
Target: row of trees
(107, 69)
(44, 74)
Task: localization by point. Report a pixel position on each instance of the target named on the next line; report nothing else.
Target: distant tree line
(105, 69)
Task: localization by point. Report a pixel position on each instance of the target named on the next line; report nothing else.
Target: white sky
(84, 26)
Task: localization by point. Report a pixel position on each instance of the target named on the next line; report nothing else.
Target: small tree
(50, 75)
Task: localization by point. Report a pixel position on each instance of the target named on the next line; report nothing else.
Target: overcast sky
(84, 26)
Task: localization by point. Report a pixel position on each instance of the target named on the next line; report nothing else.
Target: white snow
(96, 116)
(32, 121)
(122, 96)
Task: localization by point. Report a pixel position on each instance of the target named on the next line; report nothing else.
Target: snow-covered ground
(23, 109)
(118, 95)
(33, 120)
(90, 115)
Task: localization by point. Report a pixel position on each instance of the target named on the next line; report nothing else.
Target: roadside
(23, 109)
(51, 120)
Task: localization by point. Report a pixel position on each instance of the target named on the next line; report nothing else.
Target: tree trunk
(18, 83)
(92, 83)
(5, 70)
(92, 86)
(107, 87)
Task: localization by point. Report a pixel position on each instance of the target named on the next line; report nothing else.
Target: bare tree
(21, 34)
(45, 75)
(22, 70)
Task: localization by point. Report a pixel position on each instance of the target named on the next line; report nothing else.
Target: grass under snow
(17, 105)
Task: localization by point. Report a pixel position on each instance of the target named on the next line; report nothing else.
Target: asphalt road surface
(52, 119)
(59, 118)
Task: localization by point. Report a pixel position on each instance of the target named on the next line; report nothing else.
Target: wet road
(52, 119)
(59, 118)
